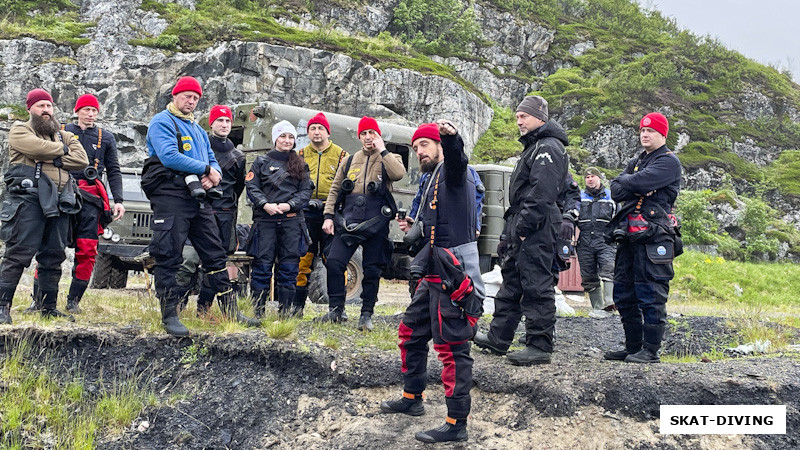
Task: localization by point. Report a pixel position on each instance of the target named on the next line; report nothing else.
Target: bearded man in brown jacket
(41, 197)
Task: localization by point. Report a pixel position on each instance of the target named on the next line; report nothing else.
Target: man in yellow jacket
(323, 158)
(41, 197)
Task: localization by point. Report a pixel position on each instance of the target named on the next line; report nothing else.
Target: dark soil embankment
(248, 391)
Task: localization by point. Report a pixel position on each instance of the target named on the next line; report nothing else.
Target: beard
(429, 165)
(44, 126)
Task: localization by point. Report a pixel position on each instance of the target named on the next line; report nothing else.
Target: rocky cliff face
(133, 83)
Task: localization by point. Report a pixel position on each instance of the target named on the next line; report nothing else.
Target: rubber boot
(237, 287)
(529, 356)
(230, 309)
(204, 301)
(260, 299)
(49, 302)
(299, 301)
(481, 339)
(169, 314)
(76, 290)
(410, 404)
(183, 293)
(365, 321)
(334, 315)
(453, 430)
(6, 299)
(36, 299)
(285, 300)
(633, 342)
(651, 343)
(596, 298)
(608, 296)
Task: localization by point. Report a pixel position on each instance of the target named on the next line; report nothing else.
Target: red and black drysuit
(101, 149)
(444, 307)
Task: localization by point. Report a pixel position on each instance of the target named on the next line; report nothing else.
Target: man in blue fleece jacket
(179, 149)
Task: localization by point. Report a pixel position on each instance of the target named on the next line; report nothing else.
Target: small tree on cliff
(441, 27)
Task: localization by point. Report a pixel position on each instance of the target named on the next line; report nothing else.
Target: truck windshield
(131, 188)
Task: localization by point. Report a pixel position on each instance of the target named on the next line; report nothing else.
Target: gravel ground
(250, 391)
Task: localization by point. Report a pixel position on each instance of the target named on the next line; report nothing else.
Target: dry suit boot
(204, 301)
(334, 315)
(481, 339)
(633, 342)
(651, 343)
(529, 356)
(6, 298)
(49, 300)
(76, 290)
(285, 299)
(36, 299)
(260, 302)
(453, 430)
(410, 404)
(169, 315)
(299, 301)
(365, 321)
(229, 307)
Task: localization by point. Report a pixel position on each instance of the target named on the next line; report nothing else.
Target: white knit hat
(283, 127)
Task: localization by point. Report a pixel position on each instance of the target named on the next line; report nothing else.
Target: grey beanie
(535, 106)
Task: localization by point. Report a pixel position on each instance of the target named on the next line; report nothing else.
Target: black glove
(316, 204)
(567, 229)
(502, 248)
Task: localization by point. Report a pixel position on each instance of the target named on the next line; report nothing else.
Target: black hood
(551, 128)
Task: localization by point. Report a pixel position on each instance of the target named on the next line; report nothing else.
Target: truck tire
(318, 280)
(101, 275)
(118, 278)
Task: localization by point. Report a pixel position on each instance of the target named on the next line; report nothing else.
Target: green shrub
(698, 225)
(501, 140)
(441, 27)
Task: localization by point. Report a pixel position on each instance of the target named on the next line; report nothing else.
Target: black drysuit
(534, 214)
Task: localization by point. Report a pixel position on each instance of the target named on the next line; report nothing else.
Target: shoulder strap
(347, 164)
(178, 133)
(99, 137)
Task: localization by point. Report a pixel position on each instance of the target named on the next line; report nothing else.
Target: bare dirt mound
(246, 390)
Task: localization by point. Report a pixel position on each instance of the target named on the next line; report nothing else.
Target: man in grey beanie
(528, 244)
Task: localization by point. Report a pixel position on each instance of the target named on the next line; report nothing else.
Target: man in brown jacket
(359, 207)
(41, 197)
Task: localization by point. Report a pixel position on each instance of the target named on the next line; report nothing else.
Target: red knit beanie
(37, 95)
(187, 84)
(322, 120)
(87, 100)
(368, 123)
(427, 130)
(656, 121)
(218, 111)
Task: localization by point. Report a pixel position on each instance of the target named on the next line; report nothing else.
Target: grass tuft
(42, 409)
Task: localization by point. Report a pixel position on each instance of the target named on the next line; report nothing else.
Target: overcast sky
(766, 31)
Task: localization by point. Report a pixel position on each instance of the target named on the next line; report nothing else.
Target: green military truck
(251, 132)
(125, 239)
(252, 125)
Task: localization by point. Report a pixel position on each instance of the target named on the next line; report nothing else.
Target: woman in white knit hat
(279, 187)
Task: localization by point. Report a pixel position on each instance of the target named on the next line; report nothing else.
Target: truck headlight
(107, 233)
(115, 238)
